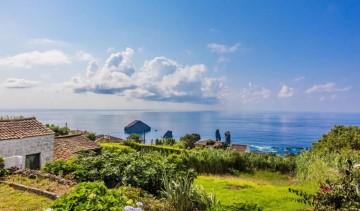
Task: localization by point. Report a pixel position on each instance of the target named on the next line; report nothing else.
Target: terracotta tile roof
(67, 146)
(108, 138)
(240, 147)
(22, 128)
(203, 143)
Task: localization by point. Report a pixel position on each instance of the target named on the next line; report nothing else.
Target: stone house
(26, 143)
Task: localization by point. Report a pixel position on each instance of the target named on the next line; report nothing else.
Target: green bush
(135, 138)
(59, 167)
(91, 196)
(190, 140)
(91, 136)
(117, 147)
(149, 148)
(59, 131)
(183, 195)
(343, 194)
(3, 171)
(339, 138)
(317, 167)
(169, 141)
(114, 168)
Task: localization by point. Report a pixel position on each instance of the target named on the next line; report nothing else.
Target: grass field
(269, 190)
(15, 200)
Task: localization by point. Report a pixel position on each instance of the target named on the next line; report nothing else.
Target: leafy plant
(59, 131)
(91, 196)
(3, 172)
(135, 137)
(183, 195)
(341, 195)
(339, 138)
(91, 136)
(190, 140)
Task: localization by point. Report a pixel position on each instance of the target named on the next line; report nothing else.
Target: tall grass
(317, 167)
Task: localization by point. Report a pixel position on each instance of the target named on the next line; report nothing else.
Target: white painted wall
(26, 146)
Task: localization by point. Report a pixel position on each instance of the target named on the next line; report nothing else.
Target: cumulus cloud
(159, 79)
(16, 83)
(286, 91)
(327, 87)
(254, 94)
(220, 48)
(83, 56)
(35, 58)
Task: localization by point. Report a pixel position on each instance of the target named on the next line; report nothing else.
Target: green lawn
(14, 200)
(269, 190)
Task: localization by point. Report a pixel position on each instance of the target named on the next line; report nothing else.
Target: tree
(339, 138)
(190, 140)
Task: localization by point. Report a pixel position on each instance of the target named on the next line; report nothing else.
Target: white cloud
(111, 50)
(34, 58)
(327, 87)
(253, 94)
(83, 56)
(220, 48)
(300, 78)
(45, 41)
(286, 91)
(159, 79)
(121, 62)
(322, 98)
(20, 83)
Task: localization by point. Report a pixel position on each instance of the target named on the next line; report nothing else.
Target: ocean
(274, 132)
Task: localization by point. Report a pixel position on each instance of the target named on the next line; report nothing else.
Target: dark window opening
(33, 161)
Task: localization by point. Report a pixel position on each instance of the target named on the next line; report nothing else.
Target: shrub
(169, 141)
(59, 167)
(339, 195)
(190, 140)
(135, 137)
(59, 131)
(3, 171)
(339, 138)
(182, 195)
(116, 147)
(91, 196)
(91, 136)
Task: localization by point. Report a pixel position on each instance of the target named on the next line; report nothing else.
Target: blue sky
(218, 55)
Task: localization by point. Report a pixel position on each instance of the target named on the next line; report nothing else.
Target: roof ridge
(17, 119)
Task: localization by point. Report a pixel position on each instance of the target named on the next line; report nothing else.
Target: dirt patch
(235, 187)
(40, 183)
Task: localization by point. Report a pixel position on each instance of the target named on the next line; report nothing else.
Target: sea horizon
(266, 131)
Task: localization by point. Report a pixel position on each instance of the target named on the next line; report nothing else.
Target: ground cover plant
(14, 200)
(258, 190)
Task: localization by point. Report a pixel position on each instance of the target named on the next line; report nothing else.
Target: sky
(228, 55)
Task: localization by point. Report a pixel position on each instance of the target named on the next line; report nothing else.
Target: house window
(32, 161)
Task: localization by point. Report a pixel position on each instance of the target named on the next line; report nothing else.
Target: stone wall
(26, 146)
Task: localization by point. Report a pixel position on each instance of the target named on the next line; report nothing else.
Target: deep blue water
(279, 132)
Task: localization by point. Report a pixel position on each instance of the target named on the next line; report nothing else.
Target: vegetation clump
(3, 172)
(59, 131)
(338, 139)
(189, 140)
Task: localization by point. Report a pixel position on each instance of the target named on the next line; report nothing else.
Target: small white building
(26, 143)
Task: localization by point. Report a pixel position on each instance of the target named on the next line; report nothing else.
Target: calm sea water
(277, 132)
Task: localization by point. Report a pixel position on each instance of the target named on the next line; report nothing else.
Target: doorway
(33, 161)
